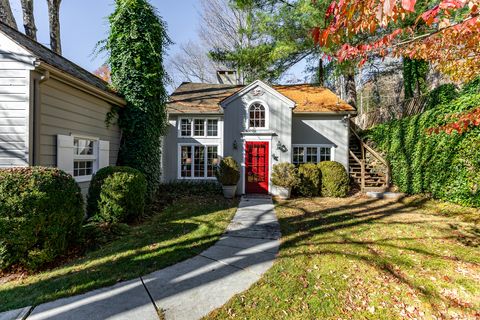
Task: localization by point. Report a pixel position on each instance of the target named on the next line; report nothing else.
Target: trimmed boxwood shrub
(95, 188)
(285, 175)
(122, 195)
(310, 180)
(447, 166)
(41, 214)
(335, 179)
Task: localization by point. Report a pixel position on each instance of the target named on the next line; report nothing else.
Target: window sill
(83, 179)
(196, 178)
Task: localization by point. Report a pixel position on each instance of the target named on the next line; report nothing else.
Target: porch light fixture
(281, 147)
(235, 145)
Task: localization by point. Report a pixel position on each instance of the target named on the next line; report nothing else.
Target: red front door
(256, 167)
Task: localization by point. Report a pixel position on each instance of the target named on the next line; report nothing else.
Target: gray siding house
(52, 112)
(259, 125)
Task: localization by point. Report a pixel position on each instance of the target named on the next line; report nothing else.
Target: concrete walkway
(192, 288)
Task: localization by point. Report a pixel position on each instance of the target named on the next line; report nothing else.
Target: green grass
(174, 234)
(359, 258)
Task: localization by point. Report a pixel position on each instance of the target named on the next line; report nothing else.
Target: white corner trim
(265, 87)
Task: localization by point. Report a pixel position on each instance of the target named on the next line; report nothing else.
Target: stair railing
(364, 148)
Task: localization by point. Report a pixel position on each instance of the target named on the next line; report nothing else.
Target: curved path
(189, 289)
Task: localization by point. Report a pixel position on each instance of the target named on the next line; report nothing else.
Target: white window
(198, 161)
(311, 154)
(186, 127)
(198, 127)
(257, 116)
(81, 156)
(212, 128)
(84, 157)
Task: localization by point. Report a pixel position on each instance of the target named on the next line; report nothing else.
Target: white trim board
(224, 103)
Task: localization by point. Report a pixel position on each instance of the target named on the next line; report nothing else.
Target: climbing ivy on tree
(136, 44)
(415, 77)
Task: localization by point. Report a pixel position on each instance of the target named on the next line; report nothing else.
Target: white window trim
(179, 160)
(205, 127)
(94, 157)
(267, 116)
(318, 146)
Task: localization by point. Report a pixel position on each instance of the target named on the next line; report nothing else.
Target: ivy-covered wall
(446, 165)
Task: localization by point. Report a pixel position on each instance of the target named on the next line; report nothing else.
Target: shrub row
(42, 210)
(444, 165)
(327, 178)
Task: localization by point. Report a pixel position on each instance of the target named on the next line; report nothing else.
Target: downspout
(37, 81)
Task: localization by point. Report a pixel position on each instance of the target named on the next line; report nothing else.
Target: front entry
(256, 167)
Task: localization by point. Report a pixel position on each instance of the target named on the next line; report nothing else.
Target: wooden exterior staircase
(368, 169)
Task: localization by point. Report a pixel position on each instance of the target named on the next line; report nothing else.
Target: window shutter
(103, 154)
(65, 153)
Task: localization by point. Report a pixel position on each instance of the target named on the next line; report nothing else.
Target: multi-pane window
(257, 116)
(83, 157)
(186, 161)
(212, 160)
(313, 154)
(186, 127)
(198, 127)
(325, 154)
(198, 161)
(212, 127)
(298, 155)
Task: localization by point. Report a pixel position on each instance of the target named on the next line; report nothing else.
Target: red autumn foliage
(461, 124)
(446, 34)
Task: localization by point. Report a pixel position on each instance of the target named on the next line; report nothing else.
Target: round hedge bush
(335, 179)
(310, 180)
(41, 214)
(285, 175)
(121, 197)
(93, 197)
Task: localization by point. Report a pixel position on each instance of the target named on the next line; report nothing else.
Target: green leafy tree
(136, 44)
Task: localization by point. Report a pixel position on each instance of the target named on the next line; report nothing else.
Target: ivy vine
(136, 45)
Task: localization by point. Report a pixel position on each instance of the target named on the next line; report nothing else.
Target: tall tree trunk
(54, 18)
(29, 19)
(321, 73)
(350, 88)
(6, 14)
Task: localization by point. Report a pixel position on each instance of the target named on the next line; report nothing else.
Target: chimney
(227, 77)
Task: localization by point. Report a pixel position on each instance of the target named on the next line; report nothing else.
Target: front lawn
(174, 234)
(360, 258)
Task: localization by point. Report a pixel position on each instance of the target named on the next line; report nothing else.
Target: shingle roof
(206, 98)
(46, 55)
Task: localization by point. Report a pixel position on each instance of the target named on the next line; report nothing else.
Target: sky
(84, 22)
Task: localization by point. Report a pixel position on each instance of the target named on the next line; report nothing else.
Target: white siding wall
(323, 129)
(15, 66)
(172, 141)
(68, 111)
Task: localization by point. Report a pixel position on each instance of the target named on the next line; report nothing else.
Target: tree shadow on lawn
(332, 230)
(138, 253)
